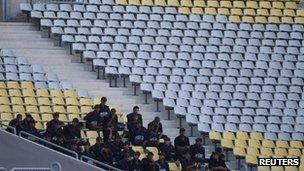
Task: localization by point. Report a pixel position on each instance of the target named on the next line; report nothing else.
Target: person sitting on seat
(134, 118)
(110, 124)
(135, 163)
(72, 131)
(97, 148)
(104, 109)
(187, 163)
(93, 119)
(162, 163)
(28, 125)
(152, 137)
(198, 151)
(15, 123)
(217, 161)
(181, 143)
(167, 149)
(137, 135)
(55, 126)
(148, 164)
(157, 125)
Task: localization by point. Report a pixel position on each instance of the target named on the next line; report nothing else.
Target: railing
(47, 143)
(98, 163)
(7, 127)
(55, 1)
(2, 169)
(54, 167)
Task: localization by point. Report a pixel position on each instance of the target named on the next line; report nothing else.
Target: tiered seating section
(225, 74)
(261, 11)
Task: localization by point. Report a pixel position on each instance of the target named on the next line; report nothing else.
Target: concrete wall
(19, 152)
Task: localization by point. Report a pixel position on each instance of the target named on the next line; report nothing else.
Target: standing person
(134, 118)
(93, 119)
(167, 149)
(181, 143)
(16, 123)
(156, 125)
(103, 108)
(135, 163)
(54, 127)
(72, 131)
(198, 151)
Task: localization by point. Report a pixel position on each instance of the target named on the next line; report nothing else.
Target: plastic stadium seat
(160, 2)
(174, 3)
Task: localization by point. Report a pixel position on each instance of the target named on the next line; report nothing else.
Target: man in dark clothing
(86, 150)
(134, 118)
(74, 147)
(55, 126)
(28, 125)
(181, 143)
(137, 135)
(16, 123)
(156, 125)
(167, 149)
(97, 148)
(198, 151)
(116, 147)
(124, 163)
(72, 131)
(162, 163)
(152, 137)
(217, 161)
(148, 164)
(187, 163)
(60, 140)
(103, 108)
(127, 149)
(110, 122)
(93, 119)
(135, 163)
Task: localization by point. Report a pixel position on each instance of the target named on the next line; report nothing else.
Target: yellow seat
(14, 93)
(58, 101)
(290, 5)
(92, 134)
(275, 20)
(251, 159)
(186, 3)
(265, 4)
(140, 150)
(3, 93)
(277, 168)
(240, 143)
(147, 2)
(121, 2)
(56, 93)
(249, 12)
(155, 152)
(173, 166)
(291, 168)
(298, 20)
(289, 13)
(227, 143)
(280, 152)
(17, 101)
(85, 109)
(287, 20)
(39, 126)
(236, 11)
(36, 117)
(13, 85)
(69, 93)
(92, 141)
(45, 109)
(239, 151)
(225, 4)
(300, 13)
(228, 135)
(239, 4)
(253, 151)
(294, 152)
(4, 100)
(59, 109)
(242, 135)
(31, 109)
(211, 11)
(276, 12)
(184, 10)
(282, 144)
(247, 19)
(213, 3)
(72, 116)
(44, 101)
(86, 102)
(71, 101)
(223, 11)
(6, 116)
(2, 85)
(254, 143)
(27, 85)
(252, 5)
(268, 143)
(174, 3)
(134, 2)
(42, 93)
(160, 2)
(30, 101)
(18, 109)
(260, 19)
(46, 117)
(262, 12)
(73, 110)
(82, 134)
(278, 5)
(199, 3)
(296, 144)
(197, 10)
(256, 136)
(28, 93)
(63, 118)
(263, 168)
(215, 135)
(96, 101)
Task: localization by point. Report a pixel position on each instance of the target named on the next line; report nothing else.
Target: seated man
(103, 108)
(97, 148)
(16, 123)
(110, 123)
(181, 143)
(152, 137)
(198, 151)
(217, 161)
(128, 150)
(157, 125)
(28, 125)
(137, 135)
(54, 127)
(162, 164)
(135, 164)
(72, 131)
(188, 163)
(148, 163)
(167, 149)
(93, 119)
(134, 118)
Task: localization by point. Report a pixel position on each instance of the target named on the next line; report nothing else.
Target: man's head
(98, 140)
(113, 111)
(19, 117)
(103, 101)
(167, 141)
(135, 109)
(218, 150)
(182, 131)
(199, 141)
(75, 122)
(56, 115)
(127, 145)
(86, 146)
(136, 155)
(156, 119)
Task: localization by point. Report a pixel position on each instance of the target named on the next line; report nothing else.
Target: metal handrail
(31, 169)
(49, 143)
(7, 126)
(87, 159)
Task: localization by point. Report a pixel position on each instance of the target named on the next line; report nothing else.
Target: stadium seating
(216, 63)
